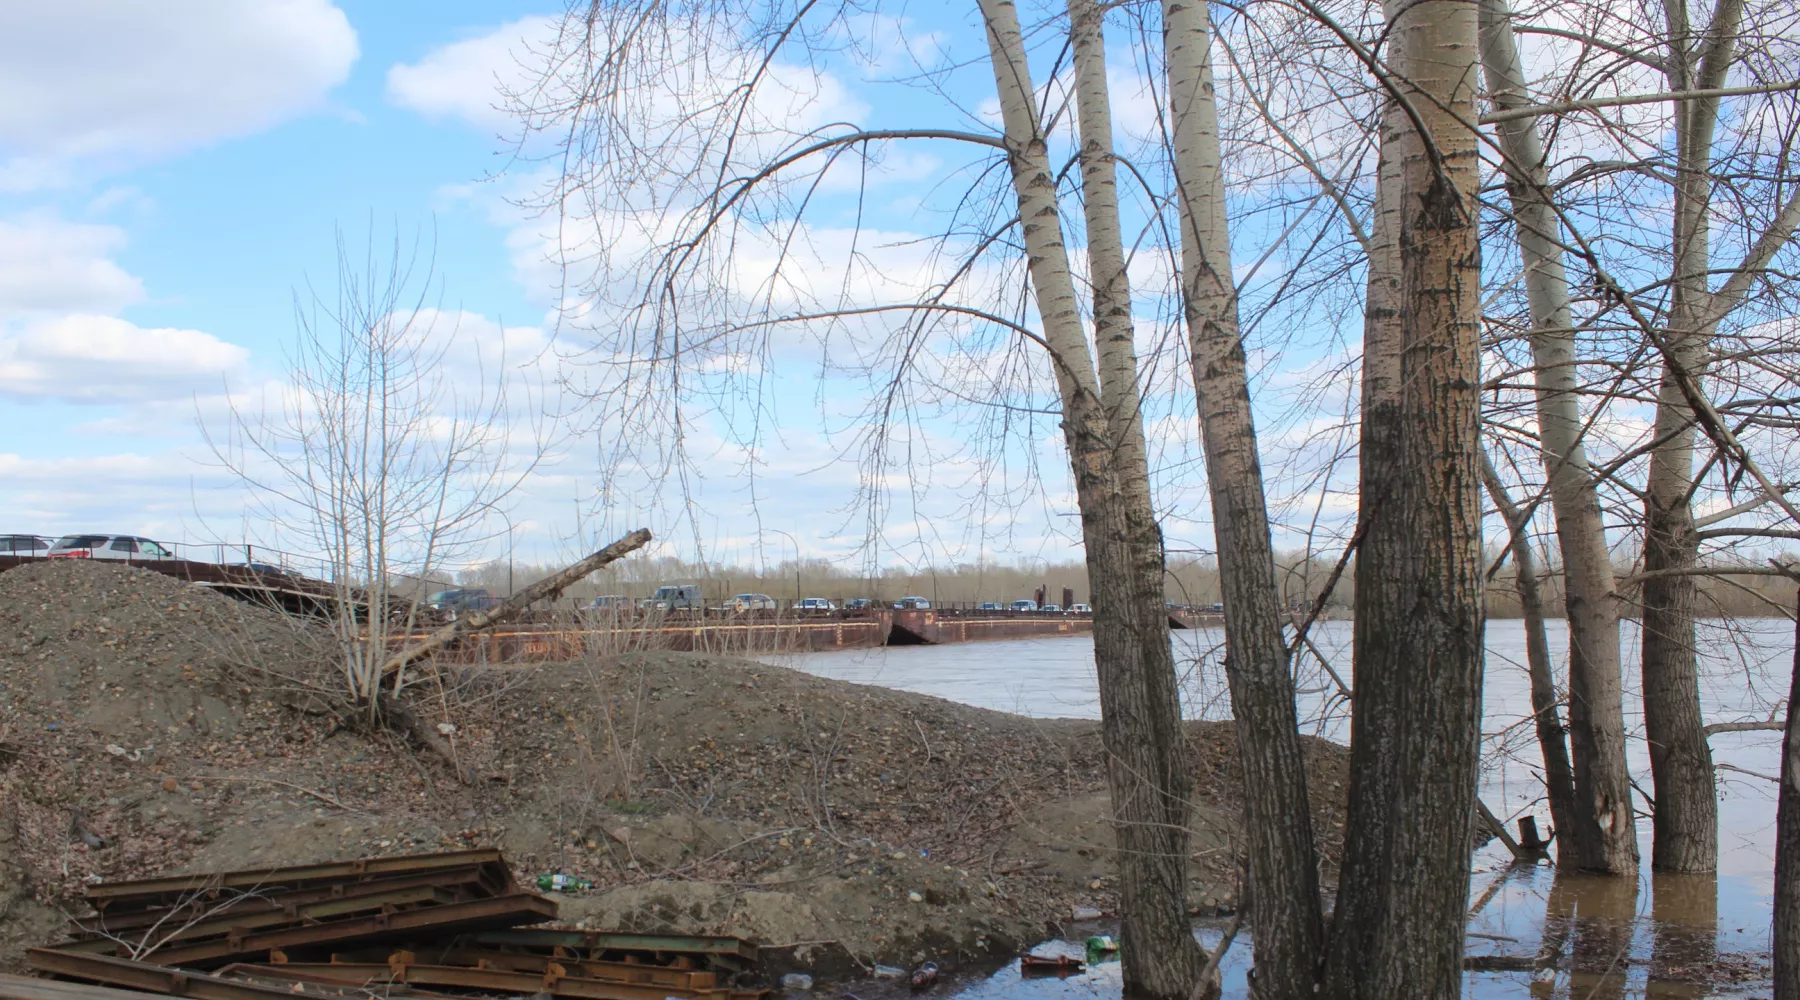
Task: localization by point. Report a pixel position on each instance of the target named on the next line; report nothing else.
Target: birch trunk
(1285, 905)
(1139, 699)
(1403, 890)
(1599, 834)
(1559, 779)
(1687, 813)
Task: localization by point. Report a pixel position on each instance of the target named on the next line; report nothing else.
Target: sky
(173, 179)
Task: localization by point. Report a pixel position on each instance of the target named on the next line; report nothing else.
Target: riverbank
(150, 727)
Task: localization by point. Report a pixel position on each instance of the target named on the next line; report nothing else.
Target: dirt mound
(144, 728)
(127, 653)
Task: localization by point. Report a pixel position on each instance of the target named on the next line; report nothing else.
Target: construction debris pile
(423, 925)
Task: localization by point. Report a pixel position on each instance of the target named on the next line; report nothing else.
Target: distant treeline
(1190, 581)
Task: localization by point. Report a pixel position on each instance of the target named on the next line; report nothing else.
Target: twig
(321, 796)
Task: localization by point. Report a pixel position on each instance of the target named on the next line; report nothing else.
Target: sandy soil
(149, 726)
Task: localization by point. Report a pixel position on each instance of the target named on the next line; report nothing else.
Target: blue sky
(176, 173)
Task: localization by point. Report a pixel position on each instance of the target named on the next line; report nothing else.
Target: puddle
(1542, 935)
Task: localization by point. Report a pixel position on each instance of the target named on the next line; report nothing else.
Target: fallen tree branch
(547, 588)
(1209, 984)
(321, 796)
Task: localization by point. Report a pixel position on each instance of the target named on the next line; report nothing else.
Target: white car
(24, 545)
(1081, 609)
(1054, 608)
(1023, 606)
(125, 548)
(815, 604)
(753, 602)
(912, 603)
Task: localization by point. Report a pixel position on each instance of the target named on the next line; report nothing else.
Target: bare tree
(1598, 832)
(389, 444)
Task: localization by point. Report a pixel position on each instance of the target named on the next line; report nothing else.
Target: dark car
(462, 602)
(24, 545)
(858, 604)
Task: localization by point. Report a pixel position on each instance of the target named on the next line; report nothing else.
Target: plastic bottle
(563, 883)
(1102, 942)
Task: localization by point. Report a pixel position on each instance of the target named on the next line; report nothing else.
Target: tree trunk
(1139, 699)
(1415, 731)
(1600, 833)
(1787, 845)
(1687, 810)
(1284, 895)
(1559, 780)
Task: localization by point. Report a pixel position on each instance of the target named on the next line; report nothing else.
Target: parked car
(1216, 607)
(989, 606)
(130, 548)
(614, 603)
(263, 567)
(858, 604)
(676, 597)
(1056, 608)
(24, 545)
(815, 604)
(753, 602)
(912, 604)
(1023, 606)
(462, 601)
(1081, 609)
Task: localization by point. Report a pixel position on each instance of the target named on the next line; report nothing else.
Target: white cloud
(104, 359)
(49, 265)
(115, 81)
(464, 79)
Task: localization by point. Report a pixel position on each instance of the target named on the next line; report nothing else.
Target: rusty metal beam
(284, 976)
(147, 891)
(623, 972)
(600, 941)
(448, 918)
(146, 977)
(474, 879)
(240, 924)
(501, 981)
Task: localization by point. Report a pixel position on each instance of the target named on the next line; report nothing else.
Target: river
(1662, 937)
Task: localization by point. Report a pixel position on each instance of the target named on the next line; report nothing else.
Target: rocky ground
(149, 726)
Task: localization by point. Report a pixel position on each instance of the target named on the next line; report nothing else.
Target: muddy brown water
(1538, 933)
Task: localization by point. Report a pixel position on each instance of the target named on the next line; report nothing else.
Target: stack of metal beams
(419, 926)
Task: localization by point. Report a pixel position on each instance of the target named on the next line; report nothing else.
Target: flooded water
(1537, 933)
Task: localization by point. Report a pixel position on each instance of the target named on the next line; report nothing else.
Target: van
(676, 597)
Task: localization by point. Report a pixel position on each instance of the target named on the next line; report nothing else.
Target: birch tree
(1283, 858)
(1140, 706)
(1599, 832)
(1667, 329)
